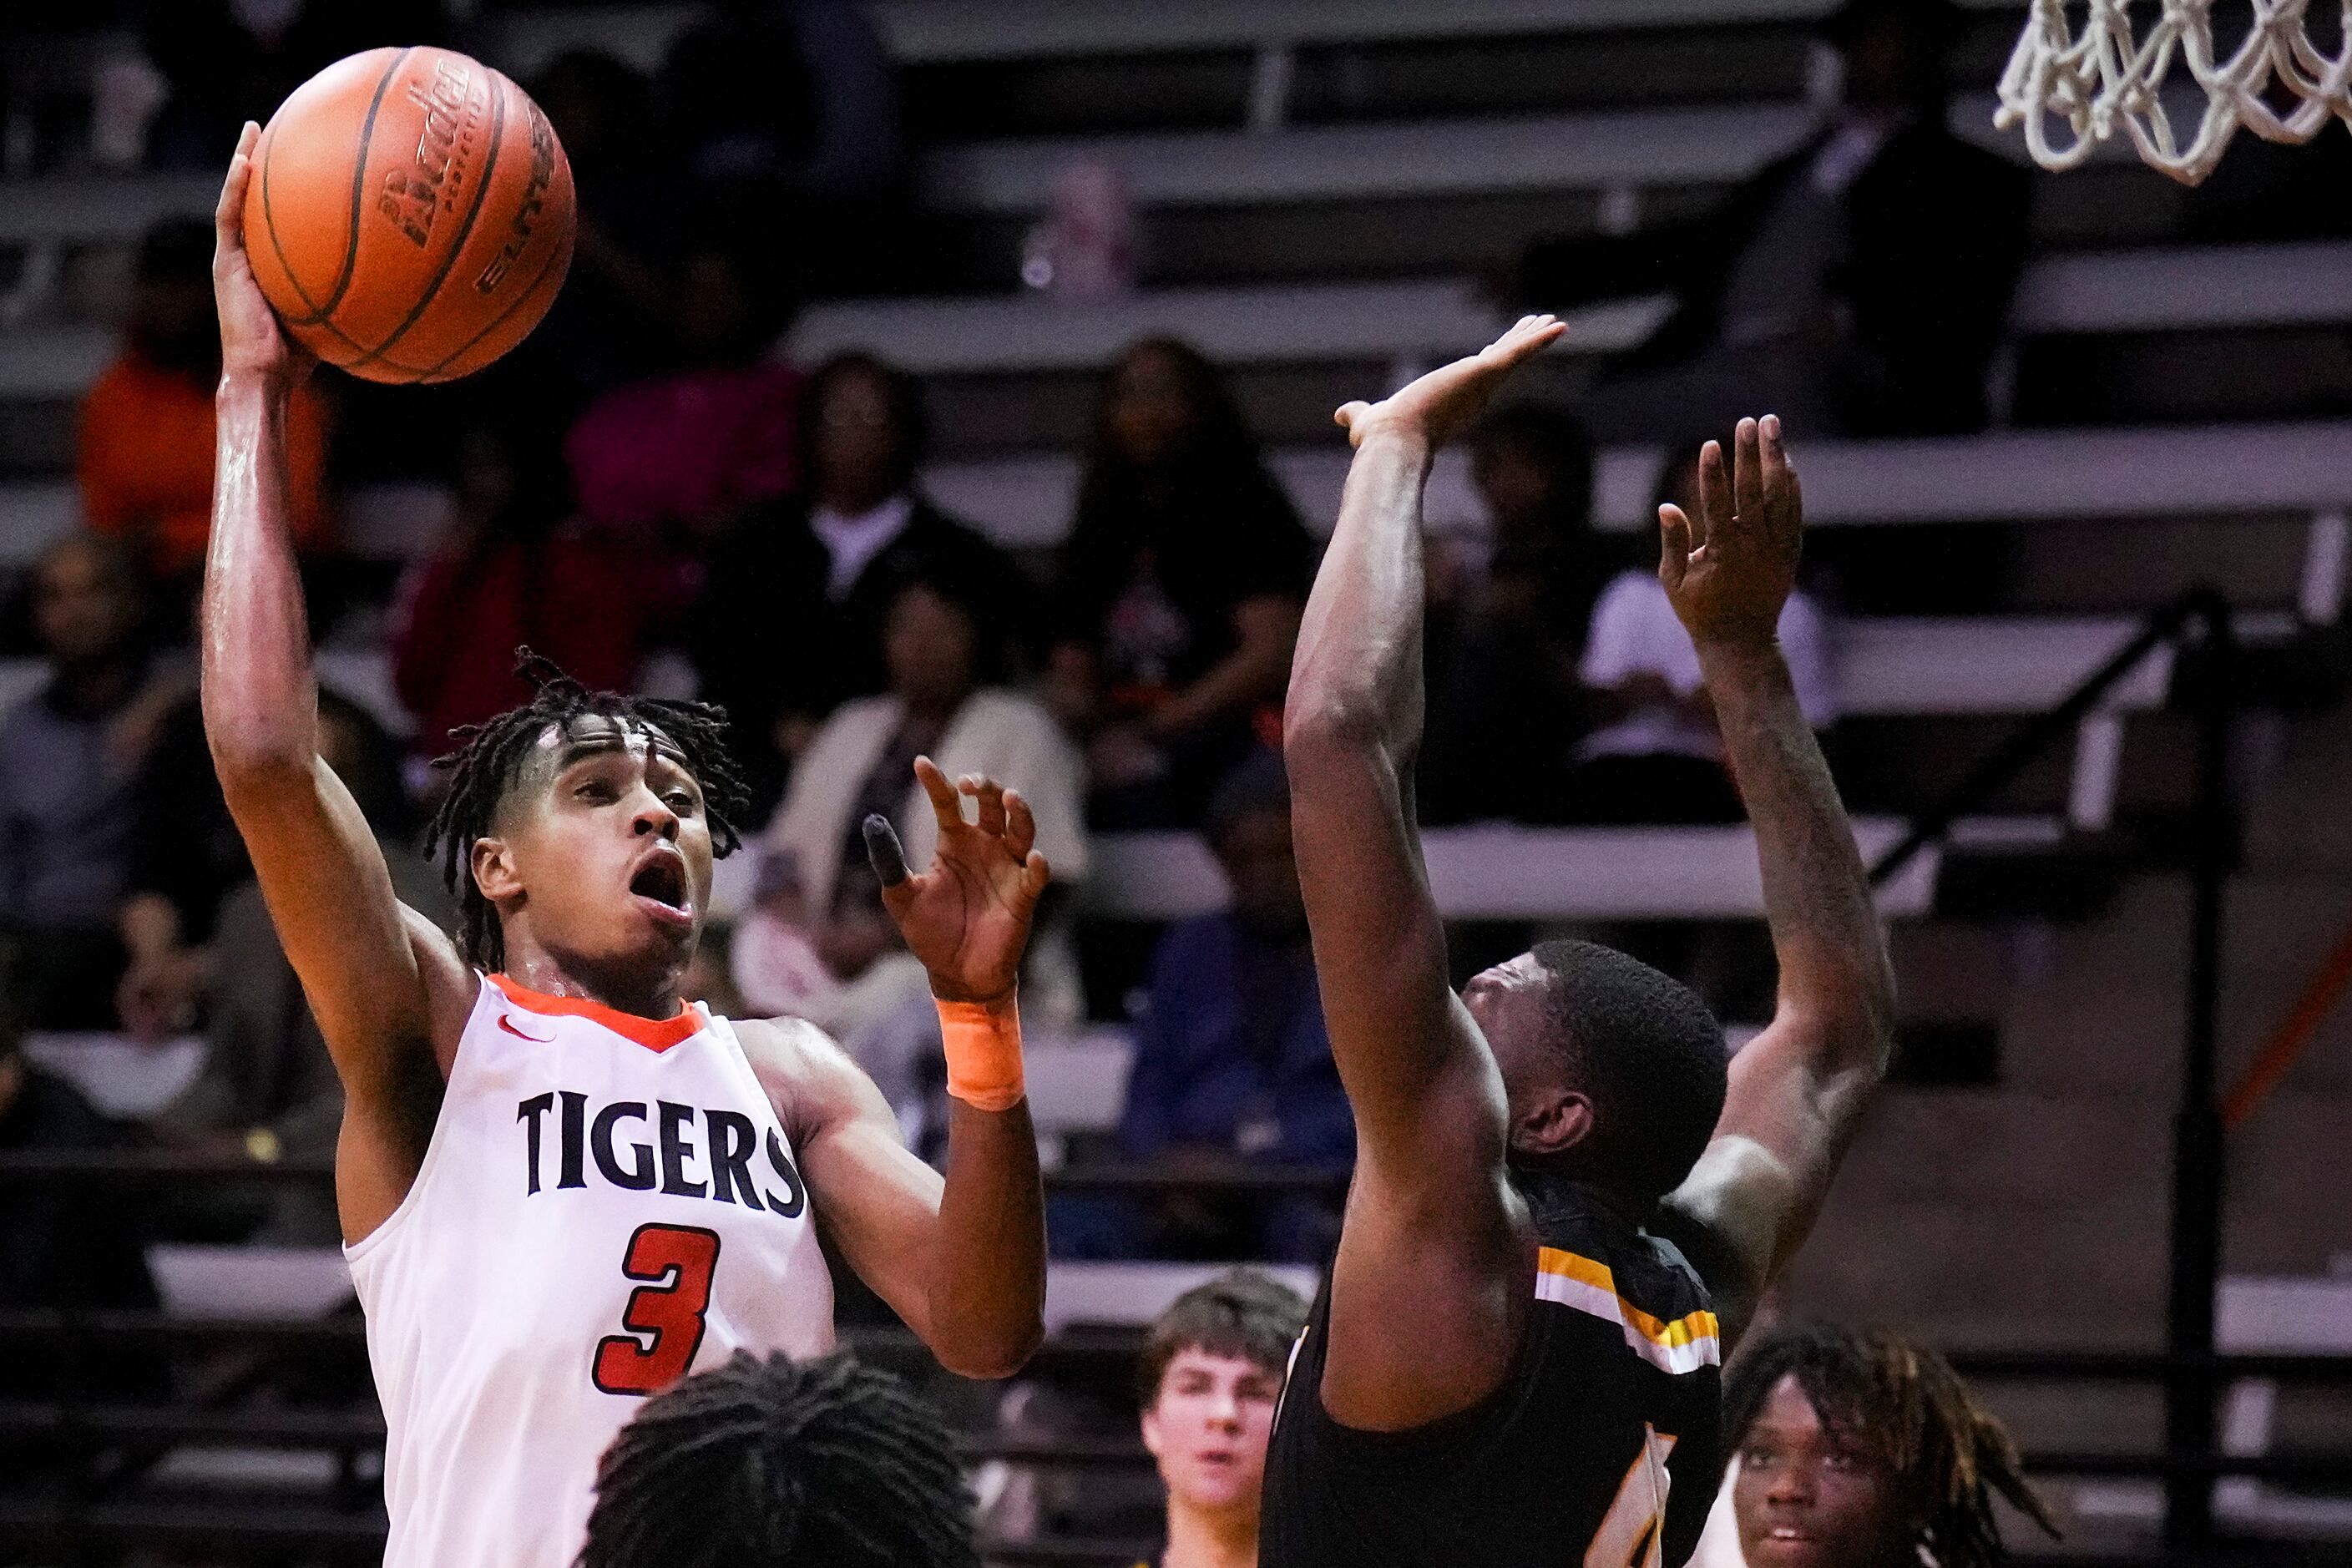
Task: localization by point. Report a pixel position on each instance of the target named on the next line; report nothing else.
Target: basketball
(410, 216)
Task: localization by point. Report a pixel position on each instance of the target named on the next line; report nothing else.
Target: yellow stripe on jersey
(1686, 1344)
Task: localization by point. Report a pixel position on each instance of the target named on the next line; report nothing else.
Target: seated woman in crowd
(516, 569)
(942, 703)
(1182, 582)
(1654, 754)
(791, 618)
(669, 461)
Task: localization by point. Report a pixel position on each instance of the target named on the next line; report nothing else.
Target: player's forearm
(1355, 678)
(1825, 929)
(987, 1293)
(260, 699)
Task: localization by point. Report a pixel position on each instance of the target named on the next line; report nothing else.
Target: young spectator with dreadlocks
(559, 1186)
(1864, 1450)
(781, 1463)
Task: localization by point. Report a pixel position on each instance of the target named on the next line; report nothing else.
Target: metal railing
(2189, 1371)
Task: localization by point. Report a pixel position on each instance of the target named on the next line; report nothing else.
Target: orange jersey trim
(656, 1034)
(1684, 1331)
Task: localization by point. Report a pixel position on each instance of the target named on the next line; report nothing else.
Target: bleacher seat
(1504, 872)
(1133, 1294)
(206, 1281)
(936, 32)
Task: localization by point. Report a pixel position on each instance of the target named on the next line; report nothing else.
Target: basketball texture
(410, 214)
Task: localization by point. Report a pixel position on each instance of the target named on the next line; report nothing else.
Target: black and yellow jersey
(1602, 1449)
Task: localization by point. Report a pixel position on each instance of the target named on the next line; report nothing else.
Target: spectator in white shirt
(1655, 755)
(939, 704)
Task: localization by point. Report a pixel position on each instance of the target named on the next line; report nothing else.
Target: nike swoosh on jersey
(508, 1025)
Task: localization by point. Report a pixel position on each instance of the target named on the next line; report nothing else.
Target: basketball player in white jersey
(561, 1188)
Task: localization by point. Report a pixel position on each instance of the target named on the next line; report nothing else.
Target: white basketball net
(2070, 91)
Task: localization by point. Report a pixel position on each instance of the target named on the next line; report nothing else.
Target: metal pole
(2188, 1394)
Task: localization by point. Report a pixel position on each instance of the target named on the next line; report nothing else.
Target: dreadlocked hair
(779, 1464)
(1905, 1402)
(490, 755)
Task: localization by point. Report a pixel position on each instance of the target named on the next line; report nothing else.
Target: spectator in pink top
(669, 461)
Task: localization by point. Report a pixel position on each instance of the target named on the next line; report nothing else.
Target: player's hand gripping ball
(410, 214)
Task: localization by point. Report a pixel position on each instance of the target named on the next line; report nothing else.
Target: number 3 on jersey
(677, 1260)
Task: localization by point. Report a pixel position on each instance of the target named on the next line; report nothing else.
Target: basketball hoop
(2070, 91)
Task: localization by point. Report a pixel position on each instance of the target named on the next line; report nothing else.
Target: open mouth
(662, 880)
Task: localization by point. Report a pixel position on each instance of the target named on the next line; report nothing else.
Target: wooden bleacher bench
(1251, 324)
(1133, 1294)
(939, 32)
(1508, 872)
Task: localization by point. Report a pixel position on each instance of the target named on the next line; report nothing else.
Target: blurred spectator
(515, 571)
(670, 461)
(228, 61)
(792, 106)
(1863, 1448)
(1857, 286)
(69, 760)
(942, 703)
(1503, 696)
(791, 620)
(1231, 1065)
(146, 429)
(609, 322)
(1183, 580)
(843, 966)
(269, 1088)
(1212, 1376)
(1655, 754)
(77, 1244)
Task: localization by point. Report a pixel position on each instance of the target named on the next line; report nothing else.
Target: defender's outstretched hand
(252, 343)
(1440, 404)
(1730, 570)
(967, 918)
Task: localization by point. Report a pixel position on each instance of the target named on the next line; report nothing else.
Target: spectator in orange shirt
(146, 438)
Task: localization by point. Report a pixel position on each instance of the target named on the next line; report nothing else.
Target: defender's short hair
(1245, 1314)
(781, 1463)
(1651, 1057)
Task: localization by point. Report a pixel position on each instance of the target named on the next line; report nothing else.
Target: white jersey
(607, 1202)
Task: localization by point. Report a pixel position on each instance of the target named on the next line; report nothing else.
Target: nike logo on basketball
(508, 1025)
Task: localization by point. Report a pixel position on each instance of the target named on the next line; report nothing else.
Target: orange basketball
(410, 214)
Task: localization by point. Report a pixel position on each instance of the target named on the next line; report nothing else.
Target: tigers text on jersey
(608, 1201)
(1601, 1448)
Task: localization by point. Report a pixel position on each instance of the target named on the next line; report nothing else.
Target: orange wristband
(983, 1050)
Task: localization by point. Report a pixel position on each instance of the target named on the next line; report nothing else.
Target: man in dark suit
(1857, 286)
(790, 624)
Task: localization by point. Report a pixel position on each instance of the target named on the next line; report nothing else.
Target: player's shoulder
(807, 1076)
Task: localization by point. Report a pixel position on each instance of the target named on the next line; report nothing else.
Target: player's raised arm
(1798, 1089)
(384, 984)
(962, 1260)
(1427, 1286)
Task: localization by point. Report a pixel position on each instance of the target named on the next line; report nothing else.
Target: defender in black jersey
(1563, 1207)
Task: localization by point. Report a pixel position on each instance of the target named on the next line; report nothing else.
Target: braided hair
(777, 1464)
(1948, 1453)
(490, 754)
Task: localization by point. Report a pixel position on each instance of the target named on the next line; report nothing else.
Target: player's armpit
(1751, 1199)
(1434, 1277)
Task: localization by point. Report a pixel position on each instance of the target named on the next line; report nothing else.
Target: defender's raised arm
(387, 987)
(1424, 1305)
(1798, 1089)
